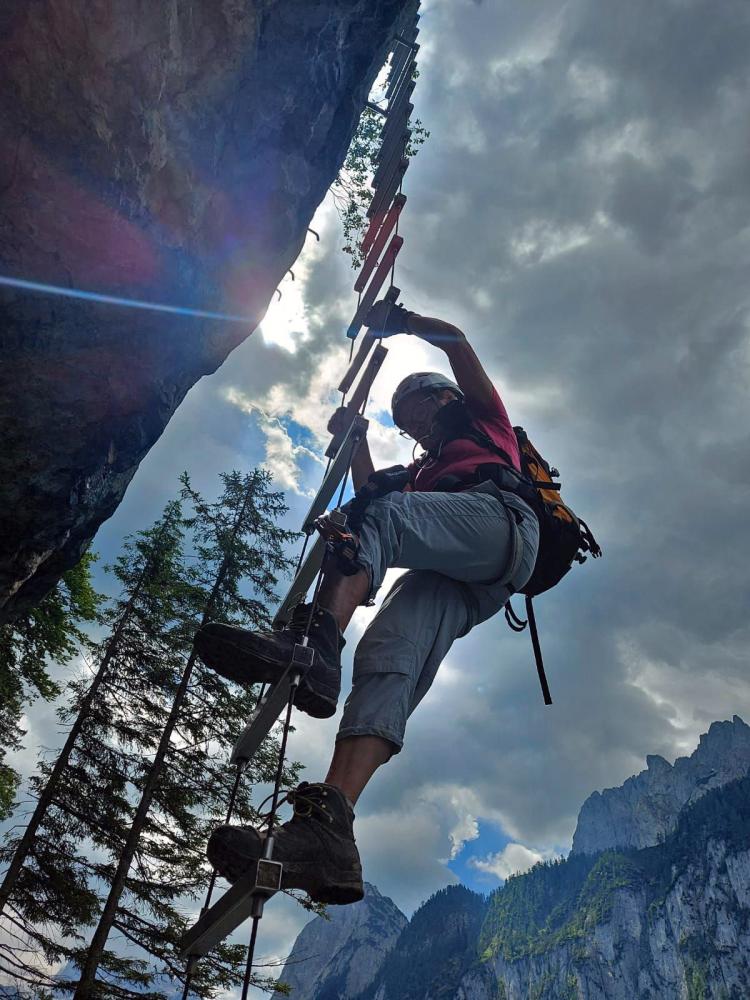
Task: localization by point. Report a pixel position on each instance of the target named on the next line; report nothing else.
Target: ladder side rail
(301, 583)
(381, 239)
(335, 475)
(378, 280)
(359, 396)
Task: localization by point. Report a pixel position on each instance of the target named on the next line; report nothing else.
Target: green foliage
(696, 983)
(221, 560)
(351, 190)
(49, 633)
(436, 948)
(562, 901)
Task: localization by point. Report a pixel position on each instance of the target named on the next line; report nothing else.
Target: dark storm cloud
(587, 174)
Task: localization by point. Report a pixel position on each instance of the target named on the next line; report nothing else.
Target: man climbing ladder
(467, 546)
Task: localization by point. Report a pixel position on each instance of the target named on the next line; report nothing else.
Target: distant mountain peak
(320, 965)
(646, 807)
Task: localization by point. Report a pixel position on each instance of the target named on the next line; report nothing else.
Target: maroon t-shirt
(462, 456)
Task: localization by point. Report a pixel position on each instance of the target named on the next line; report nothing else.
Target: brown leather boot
(316, 847)
(262, 657)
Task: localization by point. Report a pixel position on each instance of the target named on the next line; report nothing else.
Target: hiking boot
(316, 847)
(262, 657)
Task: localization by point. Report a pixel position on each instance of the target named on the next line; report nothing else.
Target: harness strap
(514, 622)
(537, 652)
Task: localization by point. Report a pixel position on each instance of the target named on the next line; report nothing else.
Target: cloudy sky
(581, 212)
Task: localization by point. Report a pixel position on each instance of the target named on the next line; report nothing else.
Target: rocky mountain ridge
(645, 808)
(320, 964)
(669, 921)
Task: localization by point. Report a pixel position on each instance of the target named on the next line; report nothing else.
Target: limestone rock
(646, 807)
(338, 958)
(166, 152)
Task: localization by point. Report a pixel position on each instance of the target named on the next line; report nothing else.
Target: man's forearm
(437, 332)
(362, 465)
(470, 375)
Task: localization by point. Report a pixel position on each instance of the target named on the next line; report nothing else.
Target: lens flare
(114, 300)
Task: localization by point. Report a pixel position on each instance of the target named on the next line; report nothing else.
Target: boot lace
(305, 800)
(300, 618)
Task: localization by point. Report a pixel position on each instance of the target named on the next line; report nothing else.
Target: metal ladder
(247, 897)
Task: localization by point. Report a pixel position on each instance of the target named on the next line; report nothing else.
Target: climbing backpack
(564, 538)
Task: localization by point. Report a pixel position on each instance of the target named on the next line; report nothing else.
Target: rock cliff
(321, 965)
(434, 952)
(168, 152)
(668, 921)
(642, 811)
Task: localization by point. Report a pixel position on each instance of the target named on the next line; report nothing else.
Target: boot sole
(245, 665)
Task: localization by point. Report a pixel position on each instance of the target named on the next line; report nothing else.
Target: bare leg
(355, 760)
(342, 595)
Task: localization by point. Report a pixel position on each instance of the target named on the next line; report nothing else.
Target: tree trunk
(86, 988)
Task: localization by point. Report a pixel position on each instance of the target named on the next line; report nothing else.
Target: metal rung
(376, 107)
(396, 108)
(264, 717)
(359, 396)
(378, 280)
(301, 583)
(405, 72)
(383, 197)
(381, 239)
(332, 479)
(233, 909)
(394, 151)
(391, 296)
(393, 126)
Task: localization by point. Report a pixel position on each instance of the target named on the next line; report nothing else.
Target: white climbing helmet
(421, 382)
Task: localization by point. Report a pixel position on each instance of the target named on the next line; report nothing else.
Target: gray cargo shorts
(457, 548)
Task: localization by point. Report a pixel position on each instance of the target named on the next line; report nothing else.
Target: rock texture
(666, 923)
(321, 964)
(669, 921)
(434, 952)
(171, 152)
(643, 810)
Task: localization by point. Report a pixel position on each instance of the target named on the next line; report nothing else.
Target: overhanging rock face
(171, 152)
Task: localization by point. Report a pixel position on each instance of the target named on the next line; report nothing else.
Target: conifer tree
(156, 702)
(50, 889)
(49, 632)
(240, 552)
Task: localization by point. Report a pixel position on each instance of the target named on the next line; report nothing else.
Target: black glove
(387, 319)
(390, 480)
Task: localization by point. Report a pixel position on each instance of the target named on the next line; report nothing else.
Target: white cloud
(514, 859)
(282, 454)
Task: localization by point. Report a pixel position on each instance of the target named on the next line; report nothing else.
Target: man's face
(417, 412)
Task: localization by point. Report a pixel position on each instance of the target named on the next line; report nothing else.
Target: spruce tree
(50, 632)
(50, 890)
(153, 700)
(239, 552)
